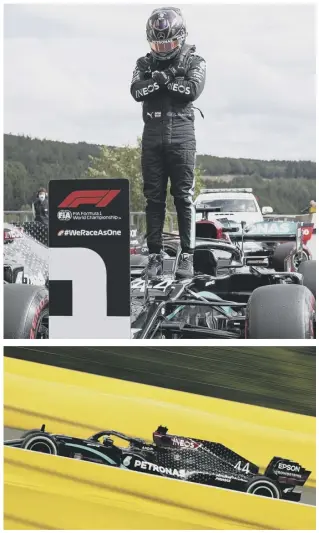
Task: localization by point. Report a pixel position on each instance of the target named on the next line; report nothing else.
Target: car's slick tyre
(263, 486)
(26, 311)
(40, 442)
(308, 270)
(29, 432)
(282, 252)
(280, 312)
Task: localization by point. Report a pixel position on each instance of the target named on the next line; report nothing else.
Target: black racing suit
(168, 144)
(41, 211)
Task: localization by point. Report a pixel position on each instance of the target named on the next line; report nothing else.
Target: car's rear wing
(272, 232)
(287, 472)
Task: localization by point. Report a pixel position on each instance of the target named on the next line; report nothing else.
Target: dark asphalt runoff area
(308, 495)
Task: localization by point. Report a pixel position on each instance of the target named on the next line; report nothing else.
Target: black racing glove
(161, 77)
(164, 77)
(173, 72)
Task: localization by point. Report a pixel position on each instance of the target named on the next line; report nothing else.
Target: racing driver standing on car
(167, 80)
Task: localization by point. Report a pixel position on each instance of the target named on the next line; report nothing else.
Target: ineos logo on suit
(179, 88)
(147, 90)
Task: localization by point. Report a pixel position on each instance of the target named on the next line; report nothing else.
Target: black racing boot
(155, 265)
(185, 268)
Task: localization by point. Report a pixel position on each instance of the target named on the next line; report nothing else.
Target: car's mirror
(267, 210)
(230, 229)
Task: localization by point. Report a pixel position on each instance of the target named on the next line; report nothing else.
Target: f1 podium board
(89, 259)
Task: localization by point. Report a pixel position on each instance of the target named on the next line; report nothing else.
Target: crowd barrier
(80, 404)
(42, 492)
(137, 218)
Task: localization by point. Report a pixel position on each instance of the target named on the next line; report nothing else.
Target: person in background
(40, 207)
(311, 208)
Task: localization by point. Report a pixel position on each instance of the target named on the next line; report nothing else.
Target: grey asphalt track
(308, 495)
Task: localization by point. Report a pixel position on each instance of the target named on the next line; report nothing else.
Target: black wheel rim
(299, 258)
(42, 331)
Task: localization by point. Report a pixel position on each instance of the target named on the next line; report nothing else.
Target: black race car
(25, 256)
(278, 245)
(26, 279)
(177, 457)
(281, 245)
(232, 295)
(256, 304)
(236, 292)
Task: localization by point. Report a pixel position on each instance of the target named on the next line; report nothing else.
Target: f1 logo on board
(100, 198)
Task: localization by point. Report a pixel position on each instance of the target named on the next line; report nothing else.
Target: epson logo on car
(147, 90)
(145, 465)
(289, 468)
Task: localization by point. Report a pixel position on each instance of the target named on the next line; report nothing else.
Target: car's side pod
(287, 472)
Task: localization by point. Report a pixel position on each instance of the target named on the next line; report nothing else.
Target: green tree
(125, 162)
(15, 184)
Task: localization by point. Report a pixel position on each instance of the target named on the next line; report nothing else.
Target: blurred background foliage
(29, 163)
(276, 377)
